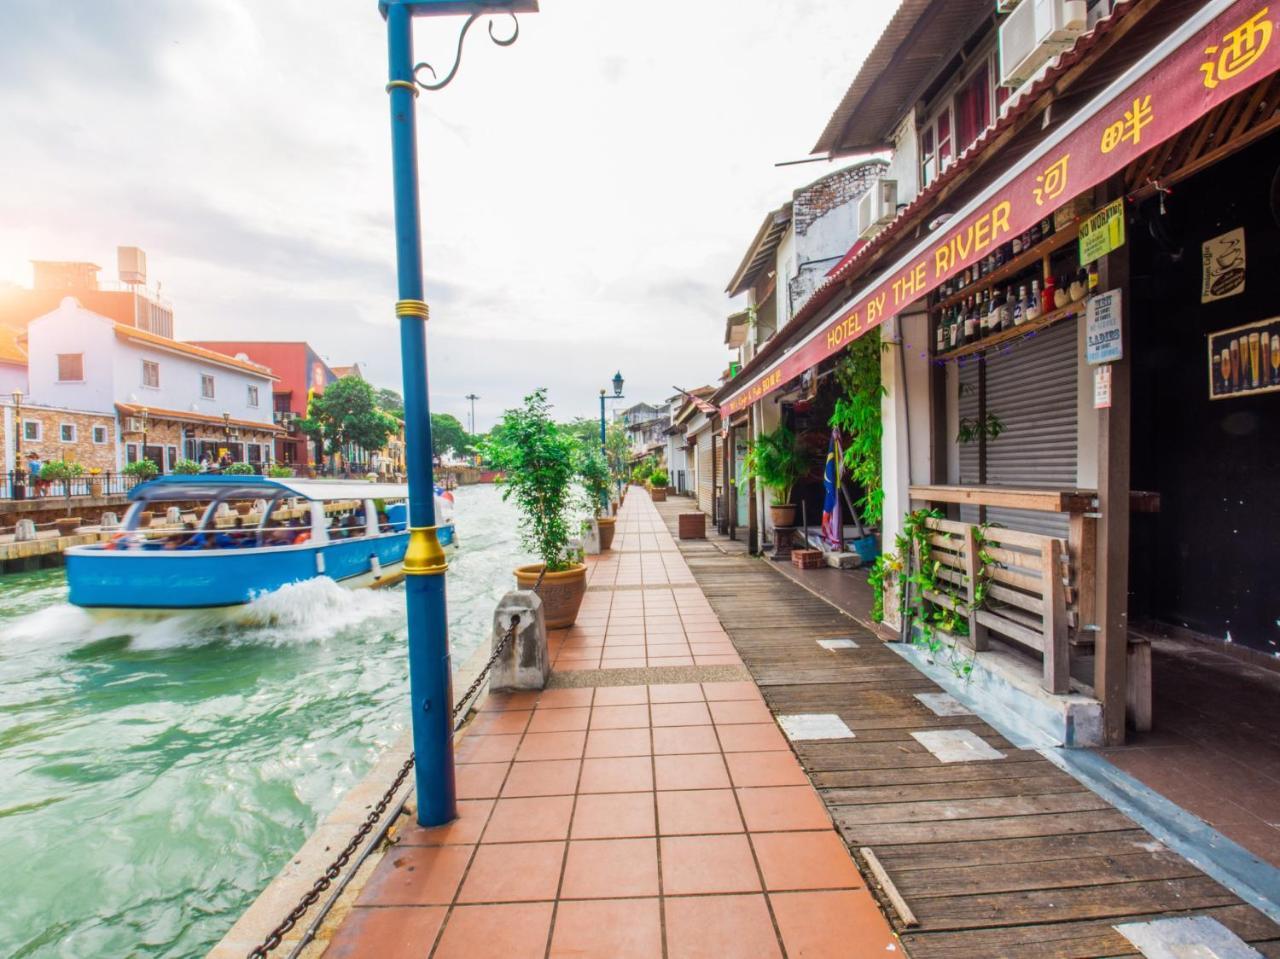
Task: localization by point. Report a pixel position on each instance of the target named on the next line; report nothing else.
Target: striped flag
(832, 528)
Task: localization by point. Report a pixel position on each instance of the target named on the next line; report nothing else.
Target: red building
(301, 371)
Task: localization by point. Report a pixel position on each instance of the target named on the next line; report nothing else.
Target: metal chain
(276, 936)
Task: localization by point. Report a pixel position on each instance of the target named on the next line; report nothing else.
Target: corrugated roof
(907, 56)
(762, 250)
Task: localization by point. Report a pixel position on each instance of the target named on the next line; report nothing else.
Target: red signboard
(1231, 53)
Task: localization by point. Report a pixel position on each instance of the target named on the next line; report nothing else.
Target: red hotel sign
(1234, 51)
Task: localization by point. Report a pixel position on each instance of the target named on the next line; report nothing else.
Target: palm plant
(776, 460)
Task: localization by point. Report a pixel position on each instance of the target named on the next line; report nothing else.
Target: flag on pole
(832, 528)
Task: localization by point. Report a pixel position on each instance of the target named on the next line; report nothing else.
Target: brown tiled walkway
(667, 819)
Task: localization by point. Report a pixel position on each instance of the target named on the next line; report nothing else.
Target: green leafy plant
(448, 434)
(276, 471)
(641, 472)
(776, 460)
(659, 479)
(857, 416)
(989, 426)
(917, 578)
(239, 469)
(595, 476)
(347, 414)
(62, 471)
(143, 469)
(538, 460)
(186, 467)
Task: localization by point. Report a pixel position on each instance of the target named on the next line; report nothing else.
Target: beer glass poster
(1245, 359)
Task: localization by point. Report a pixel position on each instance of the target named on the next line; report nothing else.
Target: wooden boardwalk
(1003, 858)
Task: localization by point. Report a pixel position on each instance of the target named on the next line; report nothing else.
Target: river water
(154, 775)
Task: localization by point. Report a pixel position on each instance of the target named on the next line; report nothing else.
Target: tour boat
(243, 537)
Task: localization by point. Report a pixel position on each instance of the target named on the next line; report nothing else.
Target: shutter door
(706, 477)
(1032, 390)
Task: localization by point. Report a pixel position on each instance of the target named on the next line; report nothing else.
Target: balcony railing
(21, 485)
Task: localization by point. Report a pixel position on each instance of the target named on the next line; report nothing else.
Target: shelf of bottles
(1025, 285)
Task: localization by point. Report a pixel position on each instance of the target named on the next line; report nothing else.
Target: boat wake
(298, 613)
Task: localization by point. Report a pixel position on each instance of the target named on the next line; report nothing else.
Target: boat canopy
(200, 487)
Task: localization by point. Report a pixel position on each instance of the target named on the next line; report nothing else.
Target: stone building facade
(76, 436)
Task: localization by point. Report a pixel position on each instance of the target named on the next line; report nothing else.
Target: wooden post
(972, 565)
(1082, 548)
(1057, 672)
(1111, 648)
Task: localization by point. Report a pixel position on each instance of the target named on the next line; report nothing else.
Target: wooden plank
(1043, 849)
(1007, 627)
(1009, 557)
(947, 525)
(1011, 497)
(978, 638)
(905, 915)
(921, 792)
(1057, 672)
(1014, 537)
(1032, 604)
(917, 884)
(1032, 584)
(1012, 827)
(949, 810)
(1082, 548)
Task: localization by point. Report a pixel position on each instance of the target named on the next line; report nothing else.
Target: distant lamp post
(617, 395)
(430, 671)
(145, 414)
(226, 432)
(19, 487)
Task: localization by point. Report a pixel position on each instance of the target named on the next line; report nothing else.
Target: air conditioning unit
(1035, 31)
(877, 207)
(133, 424)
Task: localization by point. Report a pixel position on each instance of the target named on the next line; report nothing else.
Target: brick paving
(669, 819)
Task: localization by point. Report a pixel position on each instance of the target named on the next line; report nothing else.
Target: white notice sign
(1102, 328)
(1101, 387)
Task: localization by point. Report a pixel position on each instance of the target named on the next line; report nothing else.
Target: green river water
(154, 775)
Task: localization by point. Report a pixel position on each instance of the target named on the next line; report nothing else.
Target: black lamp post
(226, 432)
(617, 395)
(145, 414)
(19, 487)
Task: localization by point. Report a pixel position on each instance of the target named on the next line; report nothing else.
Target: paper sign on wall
(1102, 232)
(1222, 266)
(1101, 387)
(1102, 328)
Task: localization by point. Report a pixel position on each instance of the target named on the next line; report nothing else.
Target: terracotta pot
(95, 487)
(658, 494)
(783, 515)
(144, 519)
(561, 593)
(68, 525)
(607, 526)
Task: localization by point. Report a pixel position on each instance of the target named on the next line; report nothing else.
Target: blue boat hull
(178, 580)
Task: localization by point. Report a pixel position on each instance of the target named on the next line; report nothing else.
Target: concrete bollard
(173, 516)
(525, 663)
(110, 520)
(591, 537)
(24, 531)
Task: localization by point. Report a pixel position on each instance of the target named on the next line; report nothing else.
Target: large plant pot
(67, 526)
(658, 494)
(144, 519)
(607, 526)
(783, 515)
(561, 593)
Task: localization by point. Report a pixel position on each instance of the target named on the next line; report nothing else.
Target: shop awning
(1225, 48)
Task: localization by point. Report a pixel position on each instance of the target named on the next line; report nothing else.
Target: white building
(180, 400)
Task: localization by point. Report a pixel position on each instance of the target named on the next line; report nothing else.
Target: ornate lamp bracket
(438, 84)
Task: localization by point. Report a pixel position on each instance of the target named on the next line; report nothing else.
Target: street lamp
(145, 413)
(430, 671)
(226, 432)
(617, 395)
(19, 487)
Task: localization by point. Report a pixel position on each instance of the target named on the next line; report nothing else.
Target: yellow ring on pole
(412, 308)
(425, 556)
(403, 85)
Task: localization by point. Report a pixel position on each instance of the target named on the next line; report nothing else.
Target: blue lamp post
(617, 395)
(430, 671)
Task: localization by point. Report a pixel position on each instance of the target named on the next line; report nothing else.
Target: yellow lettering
(941, 262)
(1000, 219)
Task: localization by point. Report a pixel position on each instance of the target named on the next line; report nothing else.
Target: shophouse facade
(169, 400)
(1138, 147)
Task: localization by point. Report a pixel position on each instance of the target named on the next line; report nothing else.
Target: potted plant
(776, 461)
(186, 467)
(239, 469)
(594, 472)
(658, 485)
(279, 472)
(95, 481)
(538, 461)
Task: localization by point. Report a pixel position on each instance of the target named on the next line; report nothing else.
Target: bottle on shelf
(1033, 301)
(1020, 307)
(953, 328)
(1049, 297)
(1016, 246)
(1036, 236)
(970, 320)
(1079, 285)
(1046, 227)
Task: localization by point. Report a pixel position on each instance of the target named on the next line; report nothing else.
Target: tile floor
(625, 821)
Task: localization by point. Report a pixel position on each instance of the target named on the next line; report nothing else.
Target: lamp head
(440, 8)
(17, 397)
(617, 383)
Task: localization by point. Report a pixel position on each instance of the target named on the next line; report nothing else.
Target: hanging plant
(857, 416)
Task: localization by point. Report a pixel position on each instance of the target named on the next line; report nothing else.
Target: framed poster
(1245, 359)
(1222, 262)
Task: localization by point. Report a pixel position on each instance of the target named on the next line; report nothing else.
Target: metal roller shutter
(1032, 390)
(706, 472)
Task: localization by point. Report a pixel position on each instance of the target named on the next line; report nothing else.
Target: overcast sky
(587, 193)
